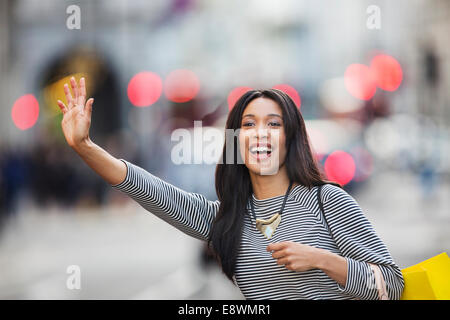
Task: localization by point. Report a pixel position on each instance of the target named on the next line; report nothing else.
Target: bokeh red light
(340, 167)
(181, 85)
(359, 81)
(144, 89)
(235, 94)
(25, 112)
(291, 92)
(386, 72)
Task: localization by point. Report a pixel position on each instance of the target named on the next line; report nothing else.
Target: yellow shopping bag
(428, 280)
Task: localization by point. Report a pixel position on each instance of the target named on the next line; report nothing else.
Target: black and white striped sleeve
(359, 245)
(189, 212)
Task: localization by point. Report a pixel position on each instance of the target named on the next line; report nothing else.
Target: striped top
(257, 273)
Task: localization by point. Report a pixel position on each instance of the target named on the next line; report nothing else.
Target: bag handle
(322, 211)
(379, 279)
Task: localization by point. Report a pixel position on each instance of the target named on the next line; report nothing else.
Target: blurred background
(371, 79)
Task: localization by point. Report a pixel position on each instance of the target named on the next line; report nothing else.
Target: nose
(261, 132)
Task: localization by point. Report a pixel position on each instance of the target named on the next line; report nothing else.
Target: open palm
(76, 115)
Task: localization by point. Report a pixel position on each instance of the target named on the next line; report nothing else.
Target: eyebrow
(269, 115)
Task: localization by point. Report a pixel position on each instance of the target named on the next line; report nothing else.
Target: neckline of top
(294, 191)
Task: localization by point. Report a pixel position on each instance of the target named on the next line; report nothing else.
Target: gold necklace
(268, 227)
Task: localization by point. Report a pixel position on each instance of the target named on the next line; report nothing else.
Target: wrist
(325, 259)
(334, 265)
(84, 146)
(319, 258)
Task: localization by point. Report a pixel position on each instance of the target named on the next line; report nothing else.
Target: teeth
(260, 149)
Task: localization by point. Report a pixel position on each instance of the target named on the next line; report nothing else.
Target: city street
(183, 85)
(126, 253)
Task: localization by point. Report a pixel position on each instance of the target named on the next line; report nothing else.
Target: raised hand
(76, 115)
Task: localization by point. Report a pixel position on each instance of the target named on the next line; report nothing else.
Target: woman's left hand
(295, 256)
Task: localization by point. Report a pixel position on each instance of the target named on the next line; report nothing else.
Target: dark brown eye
(276, 124)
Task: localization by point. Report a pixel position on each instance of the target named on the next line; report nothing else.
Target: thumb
(89, 107)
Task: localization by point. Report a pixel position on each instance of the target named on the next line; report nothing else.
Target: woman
(292, 255)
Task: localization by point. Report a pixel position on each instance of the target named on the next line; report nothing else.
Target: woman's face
(261, 138)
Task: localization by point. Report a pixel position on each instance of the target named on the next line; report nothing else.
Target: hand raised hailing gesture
(76, 115)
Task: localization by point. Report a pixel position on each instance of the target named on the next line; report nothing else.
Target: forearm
(189, 212)
(112, 170)
(333, 265)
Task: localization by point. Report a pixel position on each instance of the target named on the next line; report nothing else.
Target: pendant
(268, 227)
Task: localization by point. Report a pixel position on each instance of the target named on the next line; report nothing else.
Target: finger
(62, 106)
(290, 266)
(279, 254)
(74, 85)
(283, 261)
(88, 107)
(68, 96)
(276, 246)
(82, 92)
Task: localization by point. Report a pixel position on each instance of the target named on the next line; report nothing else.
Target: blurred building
(399, 137)
(226, 44)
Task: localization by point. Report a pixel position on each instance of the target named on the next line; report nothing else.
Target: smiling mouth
(260, 152)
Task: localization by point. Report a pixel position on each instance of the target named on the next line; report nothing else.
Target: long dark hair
(233, 185)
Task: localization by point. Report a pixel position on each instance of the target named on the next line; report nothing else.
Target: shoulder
(337, 200)
(332, 192)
